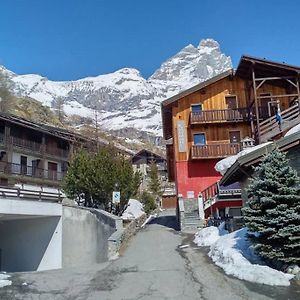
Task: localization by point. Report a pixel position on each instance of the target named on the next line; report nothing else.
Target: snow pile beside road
(234, 254)
(209, 235)
(4, 280)
(134, 210)
(223, 165)
(293, 130)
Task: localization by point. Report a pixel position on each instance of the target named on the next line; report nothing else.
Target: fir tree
(154, 184)
(273, 210)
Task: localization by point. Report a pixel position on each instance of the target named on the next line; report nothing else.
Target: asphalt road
(159, 263)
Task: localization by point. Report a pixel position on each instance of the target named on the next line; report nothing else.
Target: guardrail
(12, 192)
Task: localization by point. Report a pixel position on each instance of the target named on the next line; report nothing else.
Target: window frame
(202, 133)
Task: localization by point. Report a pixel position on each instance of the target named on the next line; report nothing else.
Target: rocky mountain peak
(124, 98)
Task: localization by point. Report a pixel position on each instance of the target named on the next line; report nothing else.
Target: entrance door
(264, 105)
(234, 137)
(231, 102)
(23, 165)
(199, 139)
(52, 170)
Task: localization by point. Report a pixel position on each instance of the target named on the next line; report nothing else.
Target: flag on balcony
(278, 116)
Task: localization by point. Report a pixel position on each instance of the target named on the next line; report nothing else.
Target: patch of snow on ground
(234, 254)
(293, 130)
(209, 235)
(223, 165)
(134, 210)
(4, 280)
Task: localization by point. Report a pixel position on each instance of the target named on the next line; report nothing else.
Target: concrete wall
(30, 235)
(30, 244)
(85, 235)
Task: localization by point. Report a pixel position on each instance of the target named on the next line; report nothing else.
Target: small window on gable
(231, 101)
(196, 108)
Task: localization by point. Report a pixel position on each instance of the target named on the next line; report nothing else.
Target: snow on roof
(223, 165)
(293, 130)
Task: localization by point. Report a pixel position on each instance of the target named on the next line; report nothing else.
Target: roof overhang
(264, 68)
(243, 167)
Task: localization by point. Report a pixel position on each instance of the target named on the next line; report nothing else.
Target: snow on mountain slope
(124, 98)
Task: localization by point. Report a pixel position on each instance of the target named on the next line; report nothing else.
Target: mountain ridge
(125, 99)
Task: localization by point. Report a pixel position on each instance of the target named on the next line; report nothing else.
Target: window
(199, 139)
(231, 101)
(234, 136)
(196, 108)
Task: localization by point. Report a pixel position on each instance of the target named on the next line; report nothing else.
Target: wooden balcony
(220, 116)
(34, 147)
(29, 171)
(214, 151)
(216, 193)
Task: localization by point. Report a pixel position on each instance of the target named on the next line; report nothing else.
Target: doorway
(231, 101)
(52, 170)
(23, 165)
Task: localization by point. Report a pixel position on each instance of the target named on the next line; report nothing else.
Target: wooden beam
(277, 96)
(260, 84)
(291, 82)
(275, 78)
(255, 102)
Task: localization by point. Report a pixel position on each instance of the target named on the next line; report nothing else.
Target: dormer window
(196, 108)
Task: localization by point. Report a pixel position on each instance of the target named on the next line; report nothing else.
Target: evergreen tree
(154, 184)
(97, 175)
(273, 210)
(77, 183)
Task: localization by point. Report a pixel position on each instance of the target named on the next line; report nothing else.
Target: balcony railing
(215, 193)
(33, 146)
(23, 143)
(29, 171)
(215, 150)
(220, 115)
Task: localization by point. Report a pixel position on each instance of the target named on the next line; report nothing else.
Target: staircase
(192, 222)
(270, 128)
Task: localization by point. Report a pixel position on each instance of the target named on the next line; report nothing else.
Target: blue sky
(71, 39)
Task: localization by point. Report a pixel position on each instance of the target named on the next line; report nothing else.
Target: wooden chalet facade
(207, 122)
(37, 154)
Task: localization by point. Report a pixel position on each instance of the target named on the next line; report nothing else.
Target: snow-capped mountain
(124, 98)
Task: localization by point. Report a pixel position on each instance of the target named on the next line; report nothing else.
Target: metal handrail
(13, 192)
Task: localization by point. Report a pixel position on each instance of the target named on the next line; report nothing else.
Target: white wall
(31, 244)
(30, 235)
(16, 159)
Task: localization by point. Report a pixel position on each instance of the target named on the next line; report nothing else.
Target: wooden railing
(23, 143)
(220, 115)
(24, 194)
(215, 192)
(215, 151)
(33, 146)
(29, 171)
(270, 128)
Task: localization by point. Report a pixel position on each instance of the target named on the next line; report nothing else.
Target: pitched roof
(243, 165)
(197, 87)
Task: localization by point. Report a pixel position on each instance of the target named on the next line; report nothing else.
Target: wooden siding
(212, 97)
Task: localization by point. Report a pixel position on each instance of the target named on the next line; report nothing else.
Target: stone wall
(121, 236)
